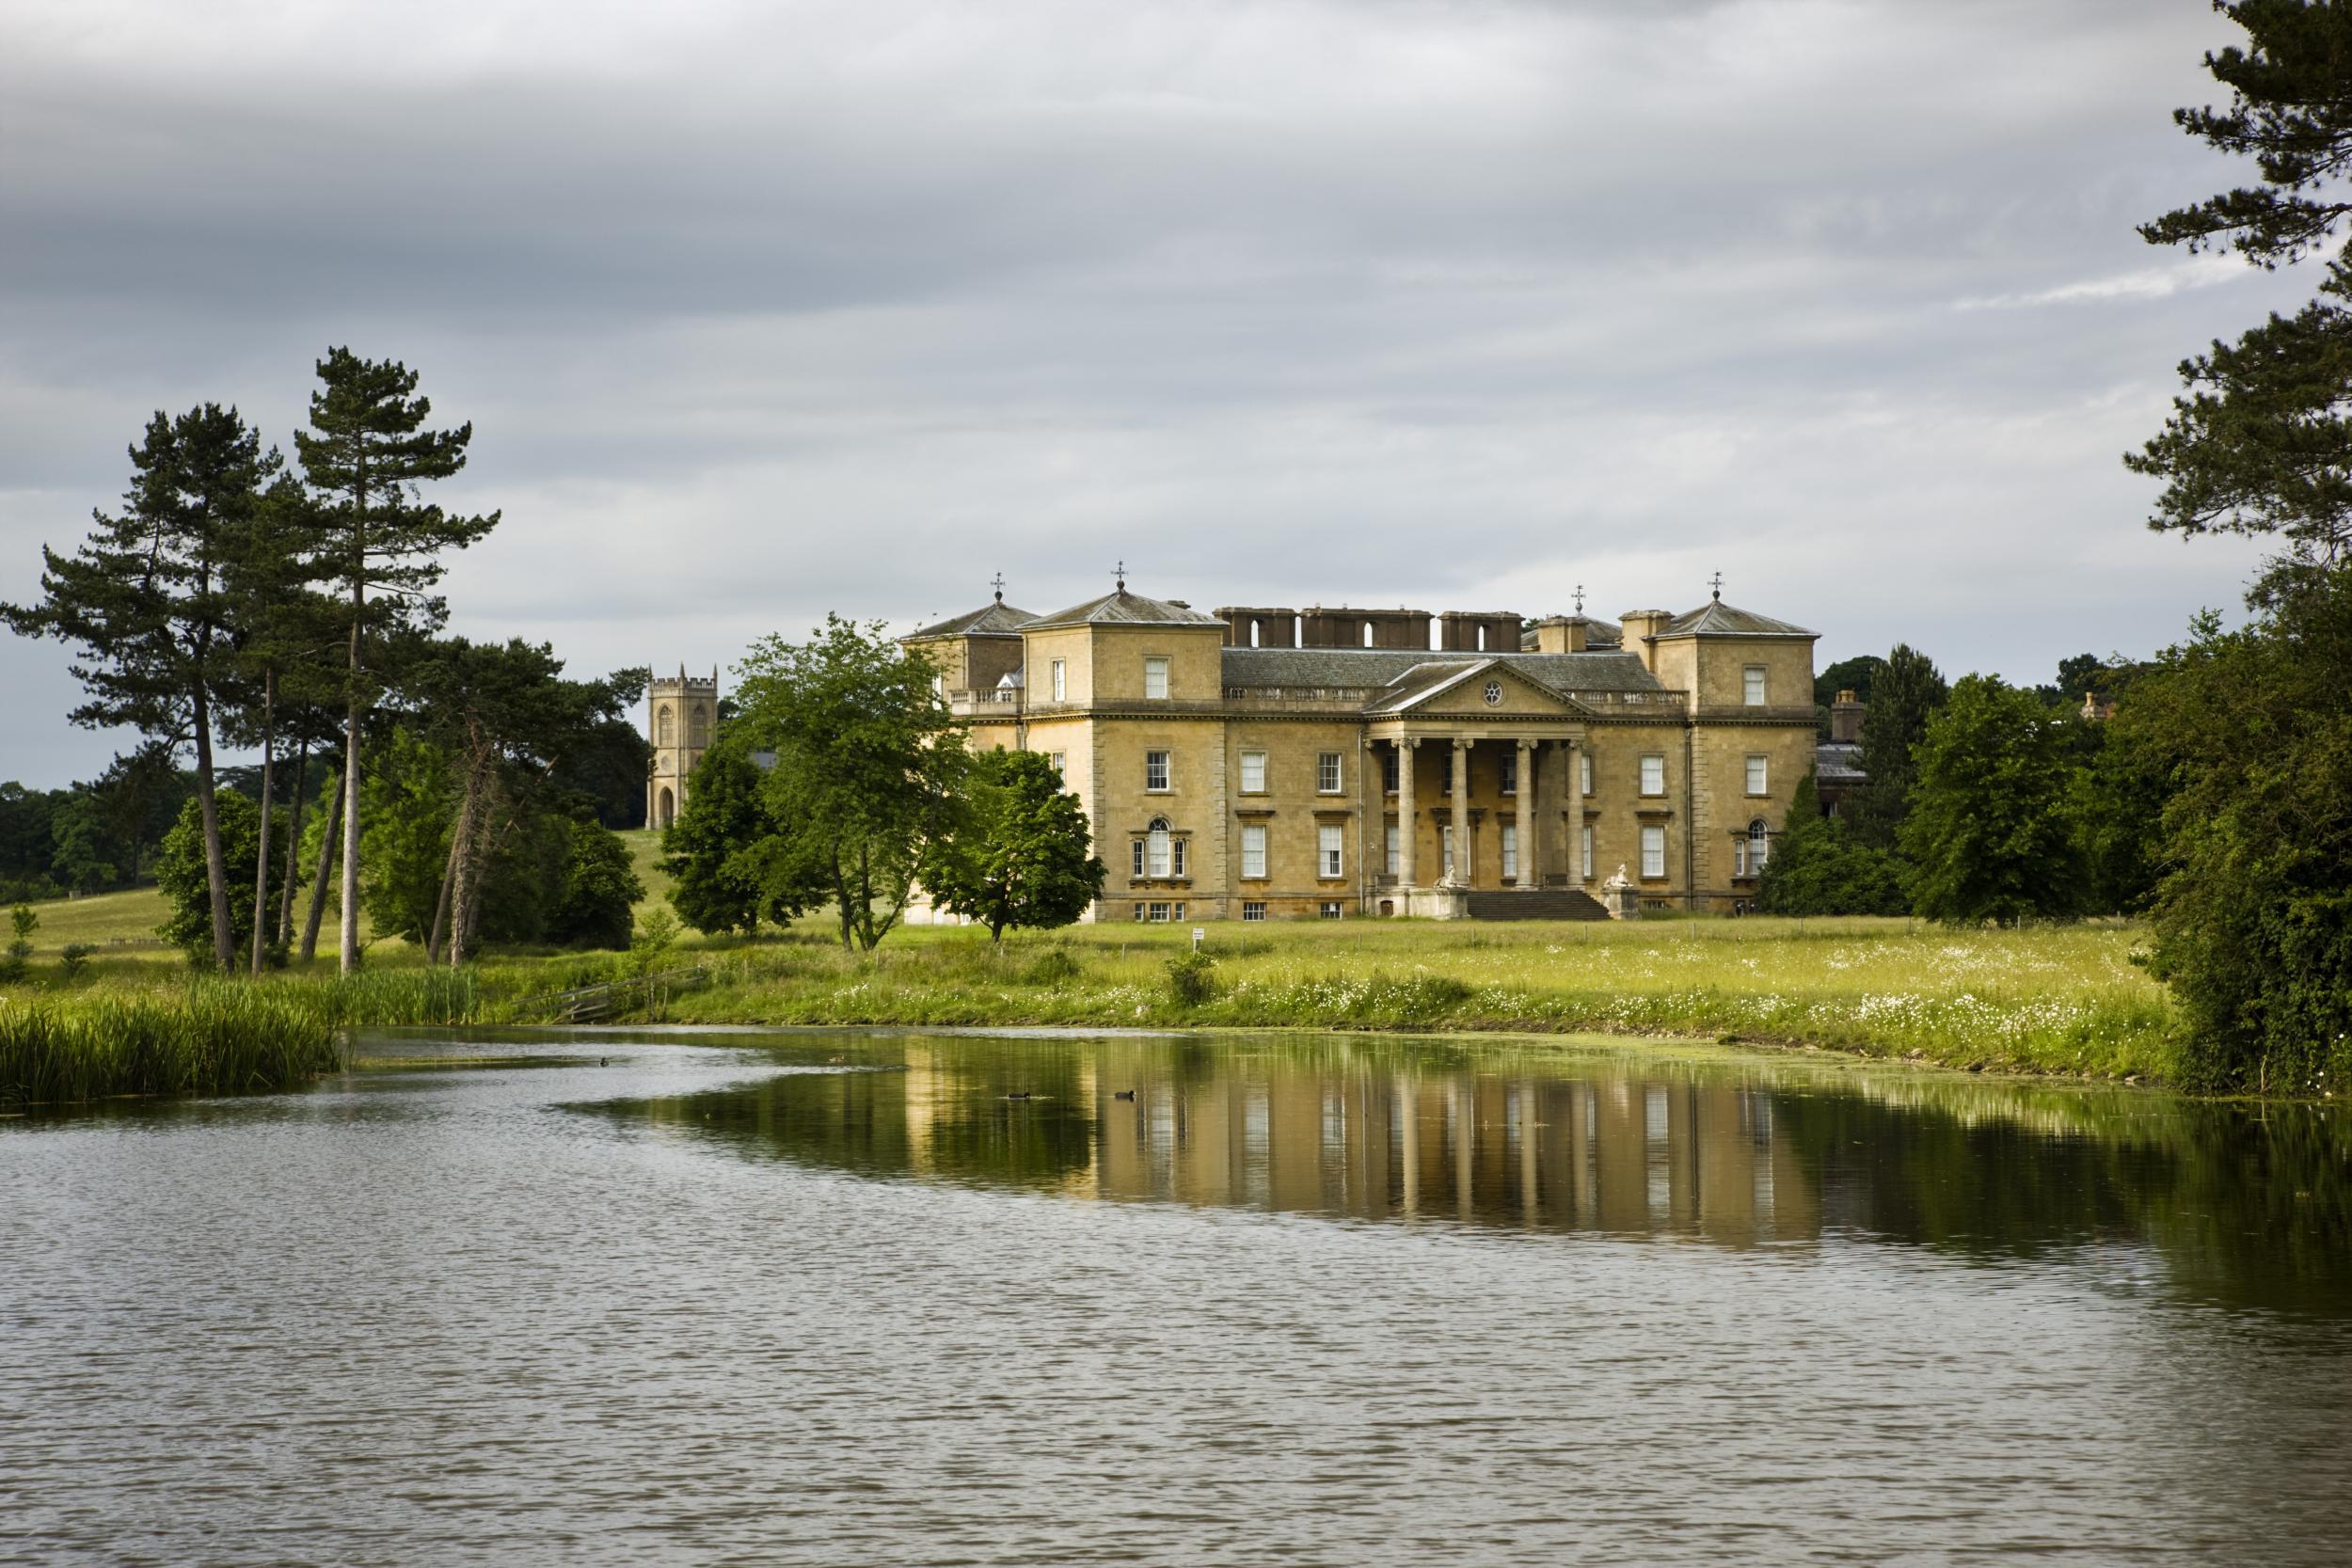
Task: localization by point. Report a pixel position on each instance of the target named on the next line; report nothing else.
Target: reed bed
(212, 1037)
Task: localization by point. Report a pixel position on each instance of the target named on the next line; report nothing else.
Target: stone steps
(1536, 904)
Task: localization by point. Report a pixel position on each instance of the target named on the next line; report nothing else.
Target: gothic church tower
(680, 712)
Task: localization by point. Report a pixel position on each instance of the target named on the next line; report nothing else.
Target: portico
(1478, 770)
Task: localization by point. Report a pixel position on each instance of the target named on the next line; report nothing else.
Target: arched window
(1482, 639)
(663, 731)
(1367, 634)
(1157, 851)
(1253, 631)
(1759, 846)
(700, 729)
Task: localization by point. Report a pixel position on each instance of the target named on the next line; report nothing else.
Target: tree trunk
(283, 932)
(261, 855)
(350, 923)
(441, 905)
(350, 958)
(208, 807)
(841, 897)
(326, 864)
(458, 893)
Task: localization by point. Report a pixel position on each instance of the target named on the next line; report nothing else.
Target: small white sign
(1197, 934)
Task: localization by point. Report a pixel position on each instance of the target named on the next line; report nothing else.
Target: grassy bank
(2063, 1000)
(2060, 1000)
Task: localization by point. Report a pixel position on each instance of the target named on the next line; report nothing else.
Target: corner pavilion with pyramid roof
(1330, 763)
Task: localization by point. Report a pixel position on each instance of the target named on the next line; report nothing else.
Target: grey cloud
(763, 311)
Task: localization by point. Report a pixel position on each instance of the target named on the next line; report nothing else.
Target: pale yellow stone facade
(681, 714)
(1231, 773)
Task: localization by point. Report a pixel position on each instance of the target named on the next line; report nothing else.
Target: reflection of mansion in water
(1371, 1139)
(1260, 763)
(1608, 1156)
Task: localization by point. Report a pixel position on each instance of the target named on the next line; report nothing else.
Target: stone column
(1405, 871)
(1575, 754)
(1530, 860)
(1462, 865)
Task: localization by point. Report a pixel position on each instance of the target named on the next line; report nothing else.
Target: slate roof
(1125, 609)
(1838, 762)
(1384, 667)
(991, 620)
(1718, 619)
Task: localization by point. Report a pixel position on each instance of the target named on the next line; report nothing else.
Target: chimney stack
(1640, 626)
(1845, 718)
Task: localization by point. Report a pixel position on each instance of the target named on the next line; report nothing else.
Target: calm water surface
(842, 1298)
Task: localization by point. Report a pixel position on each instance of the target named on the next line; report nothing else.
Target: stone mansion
(1260, 763)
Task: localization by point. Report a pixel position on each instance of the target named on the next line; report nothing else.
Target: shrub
(1192, 978)
(180, 872)
(21, 947)
(74, 961)
(1056, 966)
(599, 886)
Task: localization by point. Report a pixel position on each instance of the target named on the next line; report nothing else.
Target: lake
(657, 1296)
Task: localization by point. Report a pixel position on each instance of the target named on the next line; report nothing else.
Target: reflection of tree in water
(2246, 1205)
(948, 1116)
(2249, 1205)
(1977, 1185)
(2261, 1213)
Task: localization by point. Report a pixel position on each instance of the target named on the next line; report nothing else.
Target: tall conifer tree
(145, 598)
(1904, 697)
(366, 454)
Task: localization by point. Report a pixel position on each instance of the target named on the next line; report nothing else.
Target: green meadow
(2059, 999)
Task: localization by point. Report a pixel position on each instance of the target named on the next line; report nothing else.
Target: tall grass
(214, 1037)
(383, 997)
(211, 1036)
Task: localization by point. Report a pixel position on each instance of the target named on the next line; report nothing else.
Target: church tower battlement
(681, 710)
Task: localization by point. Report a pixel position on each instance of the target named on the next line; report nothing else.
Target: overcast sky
(763, 310)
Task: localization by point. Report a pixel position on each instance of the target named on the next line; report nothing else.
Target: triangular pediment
(1487, 686)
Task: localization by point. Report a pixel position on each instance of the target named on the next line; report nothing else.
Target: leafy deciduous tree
(1019, 852)
(2253, 916)
(180, 875)
(725, 854)
(867, 758)
(1819, 868)
(1990, 835)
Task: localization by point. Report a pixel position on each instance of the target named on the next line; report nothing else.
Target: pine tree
(366, 454)
(1904, 697)
(146, 600)
(280, 629)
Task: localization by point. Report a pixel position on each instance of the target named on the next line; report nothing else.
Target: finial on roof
(1580, 598)
(1718, 581)
(997, 582)
(1120, 572)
